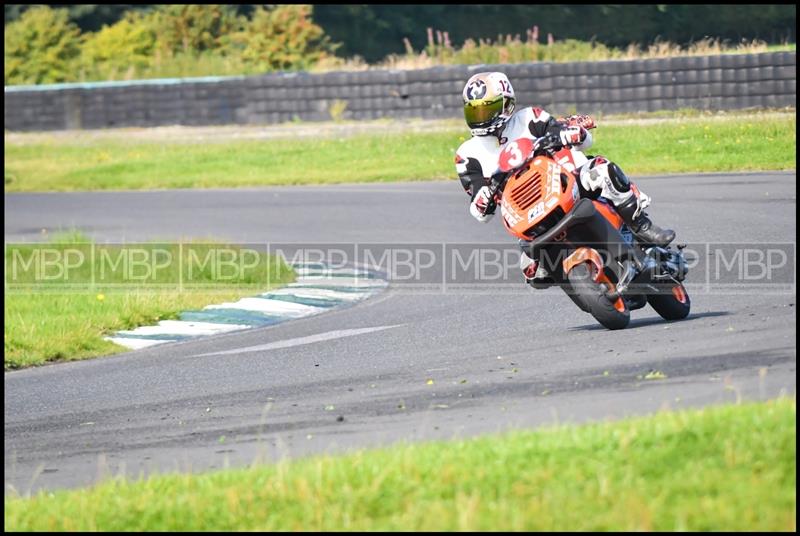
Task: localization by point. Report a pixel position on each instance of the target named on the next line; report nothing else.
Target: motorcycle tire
(593, 295)
(576, 299)
(674, 305)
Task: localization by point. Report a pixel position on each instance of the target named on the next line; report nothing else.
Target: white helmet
(488, 102)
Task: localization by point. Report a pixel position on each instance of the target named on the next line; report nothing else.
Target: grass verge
(62, 298)
(694, 470)
(687, 144)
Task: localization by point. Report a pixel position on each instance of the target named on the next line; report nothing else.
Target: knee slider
(618, 178)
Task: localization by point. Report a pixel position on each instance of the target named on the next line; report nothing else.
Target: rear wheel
(612, 315)
(673, 304)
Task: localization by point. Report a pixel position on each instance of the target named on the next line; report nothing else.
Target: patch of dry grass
(513, 49)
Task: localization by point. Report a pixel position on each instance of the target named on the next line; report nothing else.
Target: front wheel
(612, 315)
(671, 305)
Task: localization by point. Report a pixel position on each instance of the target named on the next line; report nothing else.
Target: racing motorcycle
(584, 244)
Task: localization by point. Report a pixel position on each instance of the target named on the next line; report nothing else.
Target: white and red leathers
(477, 160)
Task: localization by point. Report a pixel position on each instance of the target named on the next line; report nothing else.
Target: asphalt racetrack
(437, 363)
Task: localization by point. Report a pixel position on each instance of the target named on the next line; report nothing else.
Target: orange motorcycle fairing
(540, 191)
(609, 213)
(584, 254)
(591, 256)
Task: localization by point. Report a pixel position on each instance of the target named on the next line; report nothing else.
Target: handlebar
(547, 144)
(495, 182)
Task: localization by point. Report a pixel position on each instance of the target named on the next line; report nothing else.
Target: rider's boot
(641, 226)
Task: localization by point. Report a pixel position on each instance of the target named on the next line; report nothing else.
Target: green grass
(748, 143)
(118, 165)
(726, 468)
(65, 318)
(685, 144)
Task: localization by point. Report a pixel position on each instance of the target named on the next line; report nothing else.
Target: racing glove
(482, 207)
(573, 135)
(585, 121)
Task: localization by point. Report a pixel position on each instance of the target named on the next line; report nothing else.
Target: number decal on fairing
(555, 177)
(567, 163)
(509, 214)
(516, 155)
(536, 211)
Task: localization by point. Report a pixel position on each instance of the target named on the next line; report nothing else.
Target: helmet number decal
(505, 87)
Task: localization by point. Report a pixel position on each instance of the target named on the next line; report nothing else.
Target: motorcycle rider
(489, 110)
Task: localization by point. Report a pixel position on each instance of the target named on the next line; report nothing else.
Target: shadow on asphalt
(644, 322)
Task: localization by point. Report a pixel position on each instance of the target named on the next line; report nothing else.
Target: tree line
(373, 31)
(44, 45)
(61, 42)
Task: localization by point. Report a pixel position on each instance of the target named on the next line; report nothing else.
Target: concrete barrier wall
(707, 82)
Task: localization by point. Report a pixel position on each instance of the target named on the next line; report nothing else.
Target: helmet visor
(480, 112)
